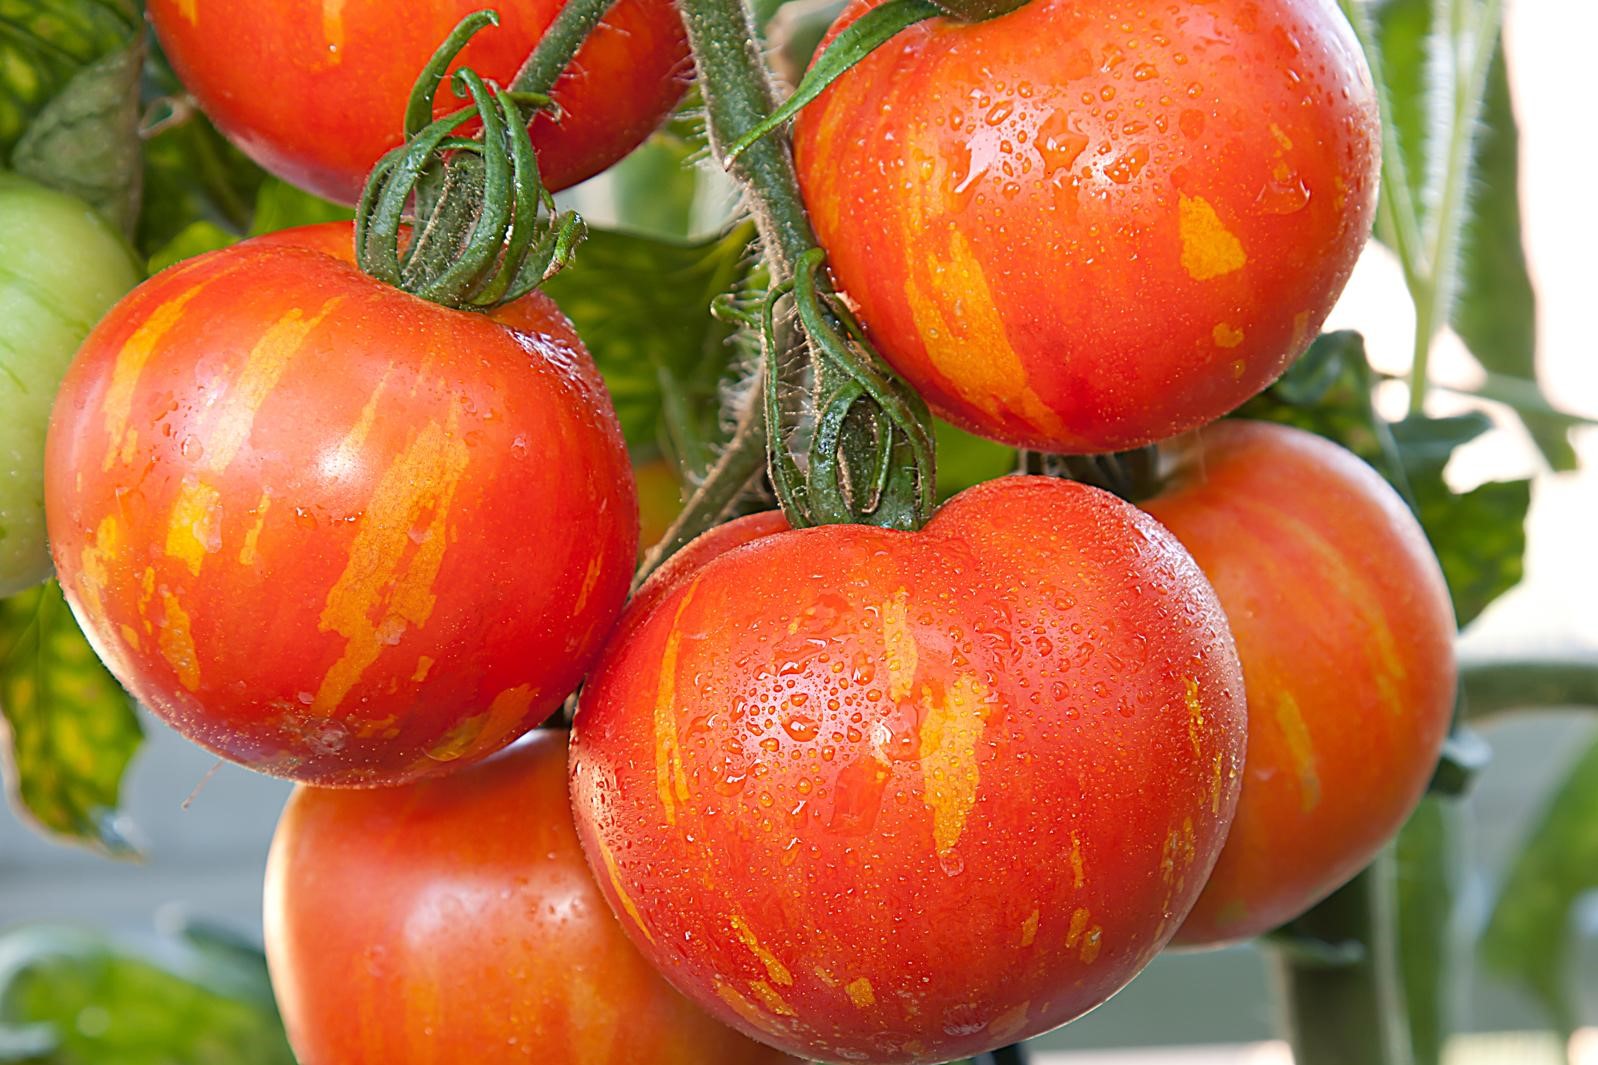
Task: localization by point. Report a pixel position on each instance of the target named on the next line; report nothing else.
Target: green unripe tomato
(61, 268)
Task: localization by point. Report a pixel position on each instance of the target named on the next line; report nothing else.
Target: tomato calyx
(869, 453)
(978, 10)
(482, 229)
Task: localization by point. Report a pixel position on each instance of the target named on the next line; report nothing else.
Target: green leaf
(279, 205)
(85, 141)
(965, 460)
(1479, 536)
(1328, 392)
(642, 306)
(82, 999)
(43, 46)
(1495, 309)
(194, 239)
(71, 729)
(1528, 936)
(655, 187)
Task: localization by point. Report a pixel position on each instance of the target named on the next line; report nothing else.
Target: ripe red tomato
(328, 529)
(1087, 225)
(315, 92)
(454, 920)
(905, 797)
(1345, 631)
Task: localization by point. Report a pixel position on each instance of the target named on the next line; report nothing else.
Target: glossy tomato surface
(61, 267)
(330, 530)
(903, 797)
(1345, 632)
(1092, 224)
(315, 92)
(454, 920)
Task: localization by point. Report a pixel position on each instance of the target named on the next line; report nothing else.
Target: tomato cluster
(846, 792)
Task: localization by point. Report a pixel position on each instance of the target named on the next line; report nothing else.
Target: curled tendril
(870, 455)
(484, 230)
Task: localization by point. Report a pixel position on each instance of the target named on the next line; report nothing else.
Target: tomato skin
(316, 92)
(1345, 631)
(1085, 226)
(332, 531)
(61, 266)
(871, 795)
(455, 920)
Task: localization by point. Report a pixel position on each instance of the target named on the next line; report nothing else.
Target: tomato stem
(1344, 1003)
(868, 447)
(738, 95)
(1492, 688)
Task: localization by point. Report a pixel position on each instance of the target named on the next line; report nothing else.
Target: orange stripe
(394, 559)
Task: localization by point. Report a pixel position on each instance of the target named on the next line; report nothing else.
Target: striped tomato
(314, 90)
(332, 531)
(453, 922)
(905, 797)
(1345, 632)
(1088, 225)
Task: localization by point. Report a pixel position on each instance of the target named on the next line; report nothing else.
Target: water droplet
(1280, 197)
(1128, 165)
(1058, 143)
(799, 728)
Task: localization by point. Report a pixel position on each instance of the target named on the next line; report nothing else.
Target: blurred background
(204, 826)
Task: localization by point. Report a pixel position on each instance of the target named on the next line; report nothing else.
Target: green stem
(1398, 217)
(738, 93)
(1348, 1013)
(560, 44)
(1493, 688)
(1478, 22)
(738, 96)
